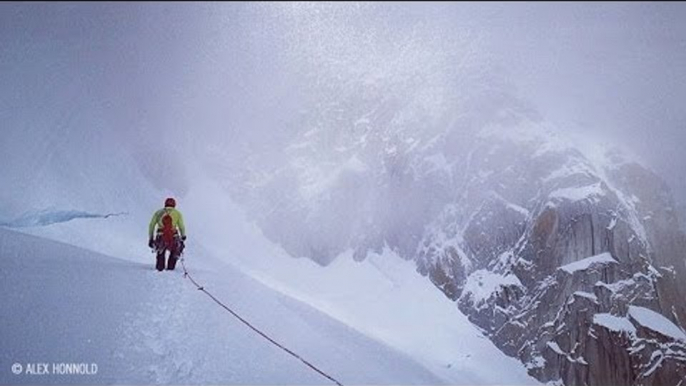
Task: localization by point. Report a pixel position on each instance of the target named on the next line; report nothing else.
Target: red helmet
(170, 202)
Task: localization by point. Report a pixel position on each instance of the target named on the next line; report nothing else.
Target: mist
(311, 114)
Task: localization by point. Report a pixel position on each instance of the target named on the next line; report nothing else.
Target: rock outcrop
(575, 267)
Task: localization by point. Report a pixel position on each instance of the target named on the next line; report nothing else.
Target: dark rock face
(568, 257)
(495, 228)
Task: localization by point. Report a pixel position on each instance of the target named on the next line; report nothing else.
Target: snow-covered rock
(531, 233)
(596, 286)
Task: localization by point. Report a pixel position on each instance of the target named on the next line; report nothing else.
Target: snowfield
(68, 305)
(376, 322)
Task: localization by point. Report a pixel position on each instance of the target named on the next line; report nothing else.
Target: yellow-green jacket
(177, 221)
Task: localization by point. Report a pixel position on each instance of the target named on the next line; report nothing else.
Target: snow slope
(375, 322)
(65, 304)
(383, 296)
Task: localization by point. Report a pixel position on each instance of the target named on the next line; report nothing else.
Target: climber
(171, 234)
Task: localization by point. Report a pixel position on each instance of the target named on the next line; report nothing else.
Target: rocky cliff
(568, 255)
(572, 263)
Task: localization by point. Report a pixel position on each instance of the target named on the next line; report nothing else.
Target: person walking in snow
(171, 234)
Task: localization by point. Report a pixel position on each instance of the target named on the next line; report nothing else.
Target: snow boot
(160, 263)
(171, 264)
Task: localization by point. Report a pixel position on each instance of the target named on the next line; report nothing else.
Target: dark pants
(175, 248)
